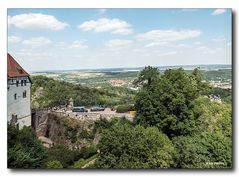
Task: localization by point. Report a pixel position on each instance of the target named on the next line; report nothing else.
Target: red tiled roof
(14, 69)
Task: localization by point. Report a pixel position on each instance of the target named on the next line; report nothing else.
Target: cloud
(14, 39)
(168, 35)
(202, 48)
(118, 43)
(167, 53)
(219, 39)
(37, 42)
(152, 44)
(78, 44)
(218, 11)
(115, 26)
(34, 54)
(36, 21)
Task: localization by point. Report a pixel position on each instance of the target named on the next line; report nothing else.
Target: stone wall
(51, 124)
(93, 116)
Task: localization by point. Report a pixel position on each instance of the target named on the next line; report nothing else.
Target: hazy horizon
(140, 67)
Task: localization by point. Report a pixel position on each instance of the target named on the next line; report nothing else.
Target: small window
(25, 82)
(24, 95)
(17, 83)
(21, 82)
(15, 96)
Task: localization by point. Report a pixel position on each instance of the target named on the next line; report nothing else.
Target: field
(123, 77)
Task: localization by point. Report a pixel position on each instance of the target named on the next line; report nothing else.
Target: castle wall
(19, 106)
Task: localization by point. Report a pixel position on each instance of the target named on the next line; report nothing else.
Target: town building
(18, 94)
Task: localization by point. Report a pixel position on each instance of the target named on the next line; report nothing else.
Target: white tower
(18, 94)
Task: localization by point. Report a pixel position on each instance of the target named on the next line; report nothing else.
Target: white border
(106, 4)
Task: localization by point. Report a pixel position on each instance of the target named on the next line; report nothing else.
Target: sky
(65, 39)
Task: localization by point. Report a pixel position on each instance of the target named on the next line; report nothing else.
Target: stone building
(18, 94)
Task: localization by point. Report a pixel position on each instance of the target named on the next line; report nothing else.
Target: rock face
(74, 130)
(61, 129)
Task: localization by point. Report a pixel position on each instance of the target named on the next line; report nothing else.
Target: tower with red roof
(18, 94)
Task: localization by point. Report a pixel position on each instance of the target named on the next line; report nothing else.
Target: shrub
(54, 164)
(124, 108)
(87, 152)
(126, 146)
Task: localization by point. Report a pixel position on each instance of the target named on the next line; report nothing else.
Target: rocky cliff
(61, 129)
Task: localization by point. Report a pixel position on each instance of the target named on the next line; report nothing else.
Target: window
(15, 96)
(17, 83)
(25, 82)
(24, 94)
(21, 82)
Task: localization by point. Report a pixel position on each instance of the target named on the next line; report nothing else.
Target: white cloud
(37, 42)
(167, 53)
(168, 35)
(115, 26)
(219, 39)
(153, 44)
(78, 44)
(35, 21)
(34, 54)
(118, 43)
(14, 39)
(202, 48)
(218, 11)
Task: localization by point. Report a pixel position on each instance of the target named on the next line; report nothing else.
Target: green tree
(147, 76)
(62, 154)
(54, 164)
(204, 150)
(213, 116)
(125, 146)
(168, 103)
(24, 148)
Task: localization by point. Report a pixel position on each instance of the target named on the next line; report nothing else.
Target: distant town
(217, 75)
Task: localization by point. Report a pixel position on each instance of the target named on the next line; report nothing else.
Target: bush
(79, 164)
(86, 135)
(124, 108)
(87, 152)
(54, 164)
(63, 154)
(125, 146)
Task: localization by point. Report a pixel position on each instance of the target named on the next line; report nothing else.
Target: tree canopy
(204, 150)
(168, 103)
(125, 146)
(24, 148)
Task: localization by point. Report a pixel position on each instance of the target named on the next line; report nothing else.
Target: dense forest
(176, 126)
(47, 92)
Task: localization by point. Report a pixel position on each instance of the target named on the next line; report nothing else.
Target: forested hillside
(176, 125)
(47, 92)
